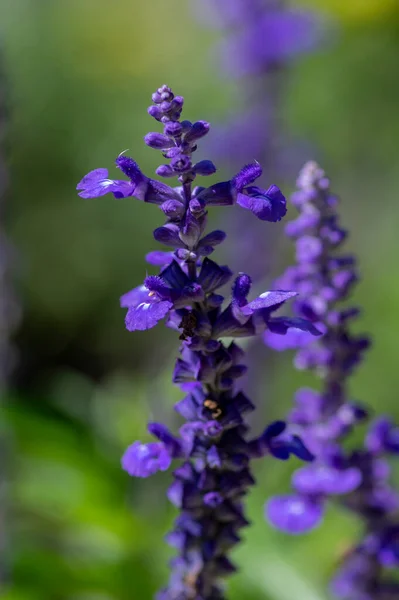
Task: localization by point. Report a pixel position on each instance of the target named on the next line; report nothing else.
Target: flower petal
(267, 300)
(135, 297)
(159, 258)
(146, 315)
(281, 325)
(267, 205)
(274, 429)
(143, 460)
(294, 514)
(298, 448)
(293, 339)
(321, 479)
(96, 184)
(219, 194)
(92, 178)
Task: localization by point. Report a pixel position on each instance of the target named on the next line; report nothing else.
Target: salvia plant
(214, 446)
(357, 478)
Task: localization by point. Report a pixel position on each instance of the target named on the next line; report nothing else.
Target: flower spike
(213, 474)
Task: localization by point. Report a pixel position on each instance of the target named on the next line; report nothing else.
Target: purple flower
(294, 514)
(360, 477)
(143, 460)
(242, 318)
(267, 205)
(145, 308)
(294, 338)
(272, 39)
(96, 183)
(280, 444)
(320, 479)
(214, 447)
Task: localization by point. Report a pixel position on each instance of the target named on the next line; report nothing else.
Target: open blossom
(360, 478)
(213, 446)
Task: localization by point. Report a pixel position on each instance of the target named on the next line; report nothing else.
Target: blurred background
(76, 79)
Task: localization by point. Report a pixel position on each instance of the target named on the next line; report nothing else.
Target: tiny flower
(320, 479)
(294, 514)
(159, 258)
(143, 460)
(145, 308)
(267, 205)
(96, 183)
(276, 441)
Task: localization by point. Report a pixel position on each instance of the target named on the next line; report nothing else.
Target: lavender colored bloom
(294, 514)
(213, 446)
(359, 478)
(143, 460)
(270, 38)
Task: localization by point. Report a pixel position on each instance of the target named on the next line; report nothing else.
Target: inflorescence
(359, 478)
(212, 446)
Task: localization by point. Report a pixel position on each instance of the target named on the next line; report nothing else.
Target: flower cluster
(212, 446)
(359, 478)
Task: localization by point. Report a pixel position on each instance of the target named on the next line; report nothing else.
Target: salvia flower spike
(358, 479)
(212, 448)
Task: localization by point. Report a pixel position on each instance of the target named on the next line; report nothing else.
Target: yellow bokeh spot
(354, 10)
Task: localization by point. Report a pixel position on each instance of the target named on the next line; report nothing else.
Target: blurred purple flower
(360, 477)
(143, 460)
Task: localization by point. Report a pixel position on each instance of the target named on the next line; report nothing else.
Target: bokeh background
(77, 76)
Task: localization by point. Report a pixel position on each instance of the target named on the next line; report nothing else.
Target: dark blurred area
(77, 77)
